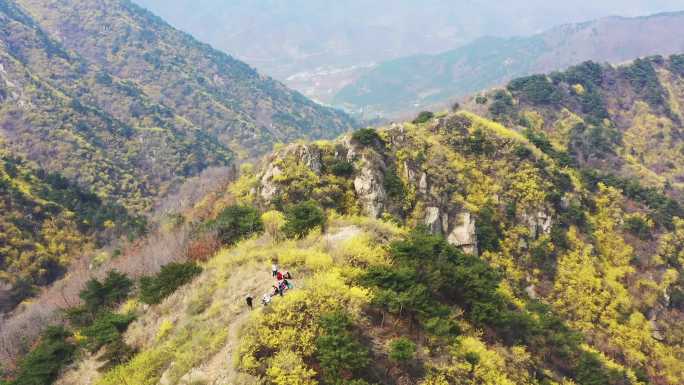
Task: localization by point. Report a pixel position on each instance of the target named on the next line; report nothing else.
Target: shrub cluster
(423, 117)
(366, 136)
(303, 217)
(154, 289)
(337, 350)
(536, 89)
(235, 223)
(42, 365)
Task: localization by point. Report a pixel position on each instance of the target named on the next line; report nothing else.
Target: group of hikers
(282, 284)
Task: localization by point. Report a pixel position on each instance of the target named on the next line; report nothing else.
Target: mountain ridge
(474, 252)
(438, 78)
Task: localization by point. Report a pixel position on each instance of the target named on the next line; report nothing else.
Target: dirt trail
(219, 370)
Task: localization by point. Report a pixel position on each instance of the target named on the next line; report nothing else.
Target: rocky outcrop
(268, 189)
(310, 155)
(440, 215)
(463, 233)
(457, 227)
(369, 189)
(538, 223)
(433, 219)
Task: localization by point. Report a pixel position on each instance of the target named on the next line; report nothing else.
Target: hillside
(207, 88)
(124, 118)
(142, 123)
(45, 221)
(452, 251)
(103, 133)
(420, 81)
(625, 120)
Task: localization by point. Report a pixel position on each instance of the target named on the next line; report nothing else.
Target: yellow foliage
(562, 128)
(288, 368)
(164, 328)
(361, 251)
(290, 324)
(145, 368)
(528, 189)
(578, 89)
(318, 261)
(131, 306)
(242, 188)
(534, 118)
(274, 221)
(671, 245)
(578, 291)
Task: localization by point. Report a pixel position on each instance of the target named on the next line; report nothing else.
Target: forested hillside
(104, 133)
(625, 120)
(207, 88)
(448, 251)
(410, 83)
(126, 108)
(45, 221)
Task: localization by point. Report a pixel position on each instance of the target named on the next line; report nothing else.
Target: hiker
(249, 301)
(266, 299)
(287, 275)
(274, 269)
(279, 276)
(280, 290)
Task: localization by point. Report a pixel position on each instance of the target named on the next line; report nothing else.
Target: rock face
(538, 223)
(369, 189)
(458, 228)
(269, 189)
(433, 219)
(463, 233)
(440, 215)
(308, 154)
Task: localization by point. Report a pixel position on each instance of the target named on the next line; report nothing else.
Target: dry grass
(191, 336)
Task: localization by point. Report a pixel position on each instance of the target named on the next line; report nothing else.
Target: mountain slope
(435, 79)
(101, 132)
(625, 120)
(105, 125)
(535, 274)
(213, 91)
(45, 221)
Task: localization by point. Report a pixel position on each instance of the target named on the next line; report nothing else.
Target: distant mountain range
(319, 46)
(421, 81)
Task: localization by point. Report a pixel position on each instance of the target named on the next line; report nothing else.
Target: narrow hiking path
(219, 369)
(211, 308)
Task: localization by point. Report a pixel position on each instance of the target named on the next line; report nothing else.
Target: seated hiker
(266, 299)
